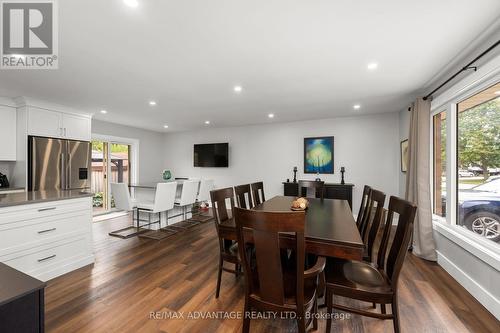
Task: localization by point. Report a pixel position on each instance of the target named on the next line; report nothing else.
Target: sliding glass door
(110, 163)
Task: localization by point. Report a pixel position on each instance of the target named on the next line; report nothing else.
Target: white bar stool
(123, 201)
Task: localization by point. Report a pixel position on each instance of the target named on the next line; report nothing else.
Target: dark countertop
(16, 284)
(25, 198)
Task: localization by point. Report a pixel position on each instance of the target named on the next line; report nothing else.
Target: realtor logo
(29, 34)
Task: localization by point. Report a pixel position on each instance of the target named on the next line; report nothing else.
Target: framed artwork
(404, 155)
(318, 155)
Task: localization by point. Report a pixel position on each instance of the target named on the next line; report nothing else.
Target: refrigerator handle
(68, 180)
(63, 172)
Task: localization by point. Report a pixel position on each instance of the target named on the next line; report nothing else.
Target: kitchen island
(46, 233)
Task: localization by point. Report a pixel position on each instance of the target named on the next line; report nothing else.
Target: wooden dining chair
(258, 193)
(374, 283)
(317, 186)
(224, 222)
(243, 193)
(363, 209)
(271, 282)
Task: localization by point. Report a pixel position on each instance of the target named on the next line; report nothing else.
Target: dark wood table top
(15, 284)
(330, 227)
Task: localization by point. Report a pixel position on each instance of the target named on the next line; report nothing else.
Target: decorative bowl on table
(299, 204)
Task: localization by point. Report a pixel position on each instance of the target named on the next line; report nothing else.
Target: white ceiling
(297, 59)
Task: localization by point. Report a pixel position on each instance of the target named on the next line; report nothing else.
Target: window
(478, 163)
(439, 170)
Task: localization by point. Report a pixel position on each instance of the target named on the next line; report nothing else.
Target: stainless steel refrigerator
(57, 164)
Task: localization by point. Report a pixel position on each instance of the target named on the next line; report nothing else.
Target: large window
(478, 162)
(466, 164)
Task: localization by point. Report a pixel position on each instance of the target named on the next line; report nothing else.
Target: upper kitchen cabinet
(7, 133)
(55, 124)
(44, 123)
(76, 127)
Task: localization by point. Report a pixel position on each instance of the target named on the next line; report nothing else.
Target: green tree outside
(479, 136)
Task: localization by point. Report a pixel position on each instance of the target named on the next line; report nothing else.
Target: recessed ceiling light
(497, 92)
(372, 66)
(271, 115)
(104, 111)
(356, 106)
(165, 126)
(131, 3)
(152, 103)
(238, 89)
(207, 122)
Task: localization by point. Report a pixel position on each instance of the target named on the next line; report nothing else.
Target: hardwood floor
(136, 284)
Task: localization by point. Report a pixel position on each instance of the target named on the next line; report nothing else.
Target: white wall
(367, 146)
(151, 149)
(404, 131)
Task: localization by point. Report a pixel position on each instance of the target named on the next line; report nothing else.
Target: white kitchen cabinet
(46, 240)
(76, 127)
(8, 133)
(55, 124)
(43, 122)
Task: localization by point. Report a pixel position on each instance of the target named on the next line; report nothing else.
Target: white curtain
(418, 179)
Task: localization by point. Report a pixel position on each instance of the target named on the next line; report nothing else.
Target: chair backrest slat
(243, 193)
(377, 199)
(258, 193)
(363, 209)
(219, 206)
(262, 229)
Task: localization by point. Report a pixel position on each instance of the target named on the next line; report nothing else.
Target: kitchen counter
(24, 198)
(10, 189)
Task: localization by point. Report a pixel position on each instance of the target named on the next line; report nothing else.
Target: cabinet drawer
(44, 257)
(21, 234)
(36, 211)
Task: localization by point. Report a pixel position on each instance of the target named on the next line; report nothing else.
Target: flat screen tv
(211, 155)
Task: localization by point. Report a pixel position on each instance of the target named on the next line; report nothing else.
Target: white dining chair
(163, 201)
(188, 195)
(206, 185)
(123, 201)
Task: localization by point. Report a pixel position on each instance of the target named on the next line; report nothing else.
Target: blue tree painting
(318, 155)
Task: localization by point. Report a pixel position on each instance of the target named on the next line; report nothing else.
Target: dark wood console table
(332, 191)
(21, 302)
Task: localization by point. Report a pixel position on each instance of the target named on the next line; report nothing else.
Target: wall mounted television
(211, 155)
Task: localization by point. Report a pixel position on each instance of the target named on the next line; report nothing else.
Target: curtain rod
(465, 68)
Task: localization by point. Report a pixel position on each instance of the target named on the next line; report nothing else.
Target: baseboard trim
(484, 297)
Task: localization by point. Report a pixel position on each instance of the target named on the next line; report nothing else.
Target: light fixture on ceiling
(104, 111)
(131, 3)
(165, 126)
(356, 106)
(497, 92)
(372, 66)
(271, 115)
(238, 89)
(152, 103)
(207, 122)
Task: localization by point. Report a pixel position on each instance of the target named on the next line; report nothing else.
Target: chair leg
(395, 313)
(329, 308)
(301, 322)
(219, 277)
(246, 318)
(374, 305)
(382, 308)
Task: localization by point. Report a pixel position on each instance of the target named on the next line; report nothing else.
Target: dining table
(330, 228)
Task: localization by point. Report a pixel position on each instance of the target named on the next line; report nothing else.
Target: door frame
(134, 158)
